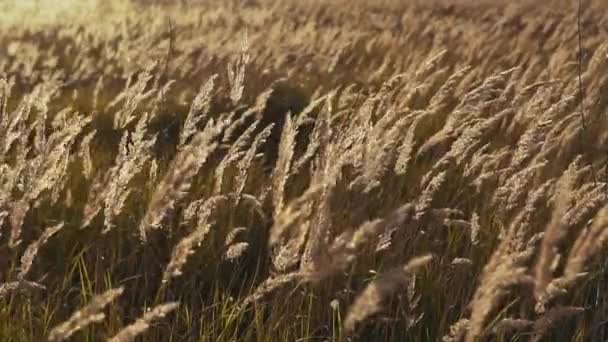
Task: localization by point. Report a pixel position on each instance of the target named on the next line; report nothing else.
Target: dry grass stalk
(370, 300)
(458, 331)
(245, 163)
(554, 232)
(178, 179)
(27, 259)
(347, 246)
(364, 128)
(553, 317)
(16, 217)
(282, 169)
(506, 268)
(198, 110)
(84, 153)
(129, 163)
(130, 332)
(235, 153)
(236, 71)
(589, 242)
(508, 325)
(183, 250)
(20, 285)
(268, 286)
(90, 313)
(236, 250)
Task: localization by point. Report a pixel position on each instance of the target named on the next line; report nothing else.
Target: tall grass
(281, 170)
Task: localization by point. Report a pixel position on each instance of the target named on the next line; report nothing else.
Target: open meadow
(321, 170)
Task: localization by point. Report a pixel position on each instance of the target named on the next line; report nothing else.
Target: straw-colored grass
(267, 170)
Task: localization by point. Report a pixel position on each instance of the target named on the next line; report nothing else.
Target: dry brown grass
(280, 170)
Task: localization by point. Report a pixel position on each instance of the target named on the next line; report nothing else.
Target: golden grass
(286, 171)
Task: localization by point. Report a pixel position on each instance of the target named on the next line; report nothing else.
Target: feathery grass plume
(236, 71)
(281, 172)
(380, 73)
(483, 162)
(555, 230)
(268, 286)
(461, 144)
(506, 267)
(129, 163)
(237, 124)
(406, 148)
(99, 85)
(202, 209)
(178, 179)
(508, 325)
(236, 250)
(46, 170)
(455, 123)
(380, 152)
(245, 163)
(234, 153)
(423, 90)
(198, 110)
(314, 141)
(474, 138)
(338, 55)
(40, 122)
(90, 313)
(18, 211)
(21, 285)
(9, 180)
(590, 199)
(588, 243)
(95, 199)
(84, 152)
(13, 123)
(430, 65)
(488, 90)
(133, 97)
(153, 171)
(288, 254)
(445, 97)
(458, 331)
(60, 183)
(325, 173)
(141, 325)
(464, 262)
(5, 95)
(27, 259)
(558, 287)
(319, 228)
(553, 317)
(413, 301)
(3, 216)
(531, 141)
(345, 247)
(506, 271)
(183, 250)
(370, 300)
(475, 229)
(233, 234)
(290, 230)
(425, 200)
(160, 99)
(508, 197)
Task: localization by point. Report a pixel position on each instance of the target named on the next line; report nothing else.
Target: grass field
(343, 170)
